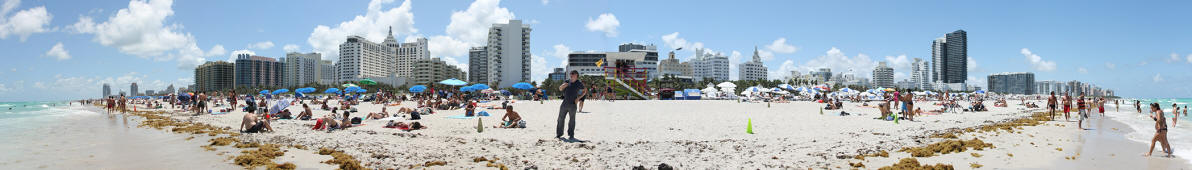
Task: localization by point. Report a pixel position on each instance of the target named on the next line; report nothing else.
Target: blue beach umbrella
(331, 90)
(523, 86)
(453, 82)
(417, 89)
(279, 91)
(361, 91)
(479, 86)
(264, 91)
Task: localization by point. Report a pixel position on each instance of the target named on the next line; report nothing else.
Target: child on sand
(512, 119)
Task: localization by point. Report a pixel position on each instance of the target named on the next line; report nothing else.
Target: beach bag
(356, 120)
(521, 124)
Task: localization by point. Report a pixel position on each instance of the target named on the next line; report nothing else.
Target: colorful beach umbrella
(264, 92)
(351, 89)
(348, 85)
(331, 90)
(479, 86)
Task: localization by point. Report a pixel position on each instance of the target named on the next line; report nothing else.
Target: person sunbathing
(251, 124)
(381, 115)
(306, 113)
(512, 119)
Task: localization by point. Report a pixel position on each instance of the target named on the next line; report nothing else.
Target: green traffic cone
(767, 104)
(895, 118)
(749, 126)
(821, 111)
(479, 125)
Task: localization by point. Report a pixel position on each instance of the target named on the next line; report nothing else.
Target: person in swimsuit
(1067, 106)
(1160, 130)
(1082, 111)
(1175, 111)
(610, 95)
(512, 119)
(1138, 106)
(583, 97)
(1051, 105)
(251, 124)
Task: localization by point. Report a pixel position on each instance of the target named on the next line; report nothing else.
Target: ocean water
(1179, 135)
(60, 135)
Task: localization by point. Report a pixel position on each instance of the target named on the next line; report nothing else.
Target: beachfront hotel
(478, 65)
(753, 69)
(359, 58)
(920, 74)
(432, 70)
(257, 71)
(213, 76)
(301, 68)
(508, 54)
(672, 66)
(1012, 83)
(710, 66)
(883, 76)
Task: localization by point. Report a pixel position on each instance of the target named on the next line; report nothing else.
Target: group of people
(1084, 107)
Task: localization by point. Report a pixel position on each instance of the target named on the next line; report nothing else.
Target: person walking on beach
(1082, 110)
(1138, 106)
(1051, 105)
(1067, 106)
(1160, 130)
(1175, 112)
(572, 90)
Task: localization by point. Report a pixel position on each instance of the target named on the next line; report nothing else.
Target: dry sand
(704, 134)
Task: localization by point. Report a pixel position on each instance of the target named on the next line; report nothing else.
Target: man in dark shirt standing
(572, 89)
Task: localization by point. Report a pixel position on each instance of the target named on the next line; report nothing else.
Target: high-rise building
(327, 72)
(149, 93)
(754, 69)
(107, 90)
(950, 58)
(585, 63)
(169, 90)
(920, 75)
(257, 71)
(1012, 83)
(632, 46)
(478, 65)
(672, 66)
(431, 70)
(360, 58)
(301, 68)
(132, 89)
(407, 53)
(558, 75)
(213, 76)
(883, 76)
(509, 54)
(823, 74)
(710, 66)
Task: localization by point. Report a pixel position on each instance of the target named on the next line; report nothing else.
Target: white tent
(726, 84)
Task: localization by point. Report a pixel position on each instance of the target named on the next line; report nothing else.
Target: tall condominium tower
(950, 58)
(509, 54)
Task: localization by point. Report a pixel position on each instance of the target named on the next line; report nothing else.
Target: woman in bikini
(1160, 130)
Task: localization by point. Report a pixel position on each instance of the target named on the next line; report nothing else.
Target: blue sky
(56, 50)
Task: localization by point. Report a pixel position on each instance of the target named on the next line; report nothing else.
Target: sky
(58, 50)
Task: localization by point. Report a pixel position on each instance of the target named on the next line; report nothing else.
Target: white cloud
(783, 70)
(1036, 61)
(23, 23)
(544, 2)
(264, 45)
(141, 30)
(445, 46)
(1158, 78)
(672, 40)
(1082, 70)
(373, 25)
(538, 70)
(734, 58)
(780, 46)
(1174, 58)
(471, 25)
(39, 85)
(901, 65)
(972, 65)
(561, 51)
(606, 23)
(861, 65)
(291, 48)
(58, 52)
(1110, 66)
(217, 50)
(4, 88)
(1189, 58)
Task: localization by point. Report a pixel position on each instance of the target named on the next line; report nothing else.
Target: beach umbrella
(466, 89)
(331, 90)
(479, 86)
(506, 92)
(279, 105)
(781, 92)
(847, 90)
(279, 91)
(980, 92)
(801, 89)
(776, 90)
(523, 86)
(367, 81)
(453, 82)
(361, 91)
(753, 89)
(786, 86)
(264, 92)
(890, 89)
(417, 89)
(726, 84)
(351, 89)
(305, 90)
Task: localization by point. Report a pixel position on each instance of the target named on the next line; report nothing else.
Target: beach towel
(219, 113)
(483, 113)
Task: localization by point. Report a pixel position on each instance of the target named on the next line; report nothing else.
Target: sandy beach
(690, 134)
